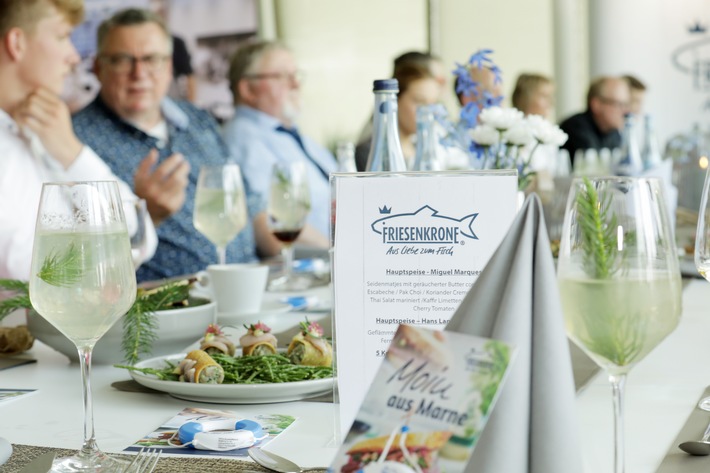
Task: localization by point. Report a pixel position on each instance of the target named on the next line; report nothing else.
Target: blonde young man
(37, 142)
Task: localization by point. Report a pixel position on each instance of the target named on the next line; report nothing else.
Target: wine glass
(82, 281)
(618, 275)
(220, 206)
(136, 213)
(702, 250)
(289, 206)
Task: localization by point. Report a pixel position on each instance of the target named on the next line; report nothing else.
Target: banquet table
(661, 392)
(52, 416)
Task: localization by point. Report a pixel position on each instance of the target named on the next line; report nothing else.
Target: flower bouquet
(495, 137)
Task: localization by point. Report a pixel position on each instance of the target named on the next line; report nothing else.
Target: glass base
(95, 462)
(294, 282)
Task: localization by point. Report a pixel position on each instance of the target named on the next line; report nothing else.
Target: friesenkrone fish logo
(424, 226)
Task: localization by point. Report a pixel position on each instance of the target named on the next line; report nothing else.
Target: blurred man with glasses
(139, 131)
(601, 124)
(266, 85)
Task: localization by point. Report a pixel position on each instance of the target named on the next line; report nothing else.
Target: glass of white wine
(220, 206)
(702, 249)
(618, 276)
(82, 281)
(289, 206)
(136, 212)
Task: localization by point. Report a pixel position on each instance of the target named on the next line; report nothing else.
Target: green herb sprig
(140, 324)
(63, 269)
(598, 232)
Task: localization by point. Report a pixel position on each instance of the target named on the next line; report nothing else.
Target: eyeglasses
(297, 76)
(124, 63)
(614, 102)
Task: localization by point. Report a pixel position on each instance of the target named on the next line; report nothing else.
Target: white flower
(500, 118)
(484, 135)
(519, 134)
(545, 132)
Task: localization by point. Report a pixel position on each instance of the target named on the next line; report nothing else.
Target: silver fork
(144, 461)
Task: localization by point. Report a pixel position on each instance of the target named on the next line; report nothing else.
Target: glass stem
(287, 256)
(617, 390)
(222, 254)
(89, 448)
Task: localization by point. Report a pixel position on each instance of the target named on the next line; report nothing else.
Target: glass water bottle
(385, 150)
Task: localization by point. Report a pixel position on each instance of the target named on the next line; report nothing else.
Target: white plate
(229, 393)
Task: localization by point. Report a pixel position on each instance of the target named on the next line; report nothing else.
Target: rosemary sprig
(63, 269)
(20, 300)
(140, 323)
(616, 337)
(598, 233)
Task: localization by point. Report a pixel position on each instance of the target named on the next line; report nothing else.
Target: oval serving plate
(229, 393)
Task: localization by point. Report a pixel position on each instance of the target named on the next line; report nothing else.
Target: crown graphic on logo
(697, 28)
(385, 210)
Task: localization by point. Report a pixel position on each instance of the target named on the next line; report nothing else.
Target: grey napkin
(533, 426)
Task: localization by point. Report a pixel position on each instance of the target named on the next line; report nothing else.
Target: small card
(7, 395)
(428, 404)
(166, 439)
(11, 362)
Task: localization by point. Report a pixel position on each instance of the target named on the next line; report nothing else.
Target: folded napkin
(533, 426)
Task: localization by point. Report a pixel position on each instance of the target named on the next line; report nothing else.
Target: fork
(144, 461)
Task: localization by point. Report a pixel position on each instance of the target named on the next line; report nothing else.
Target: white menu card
(406, 249)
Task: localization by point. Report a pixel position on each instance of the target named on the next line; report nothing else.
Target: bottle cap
(385, 85)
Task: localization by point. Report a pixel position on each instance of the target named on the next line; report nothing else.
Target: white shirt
(24, 166)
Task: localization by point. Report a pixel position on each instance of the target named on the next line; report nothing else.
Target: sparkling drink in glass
(82, 281)
(220, 206)
(619, 278)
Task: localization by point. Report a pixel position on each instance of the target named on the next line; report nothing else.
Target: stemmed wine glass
(82, 281)
(220, 206)
(702, 250)
(136, 212)
(289, 206)
(618, 276)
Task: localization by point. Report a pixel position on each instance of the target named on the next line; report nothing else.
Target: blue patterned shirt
(194, 133)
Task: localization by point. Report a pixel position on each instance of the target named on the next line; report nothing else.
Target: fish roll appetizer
(199, 367)
(258, 340)
(309, 347)
(215, 341)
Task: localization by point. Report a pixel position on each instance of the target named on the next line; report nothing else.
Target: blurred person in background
(132, 117)
(600, 125)
(417, 86)
(638, 94)
(266, 84)
(534, 94)
(37, 141)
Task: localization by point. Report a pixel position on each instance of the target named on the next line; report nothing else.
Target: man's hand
(163, 188)
(48, 117)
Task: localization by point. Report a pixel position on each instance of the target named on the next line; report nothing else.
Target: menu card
(165, 437)
(428, 403)
(7, 395)
(406, 250)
